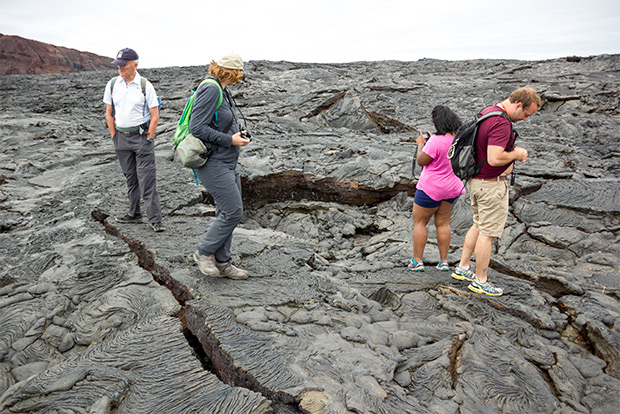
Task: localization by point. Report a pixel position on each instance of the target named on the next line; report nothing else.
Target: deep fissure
(146, 260)
(295, 186)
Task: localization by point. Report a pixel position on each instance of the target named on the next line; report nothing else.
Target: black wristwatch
(151, 139)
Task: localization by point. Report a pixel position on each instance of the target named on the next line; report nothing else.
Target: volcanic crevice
(204, 344)
(295, 186)
(326, 105)
(202, 322)
(589, 336)
(386, 124)
(383, 123)
(549, 285)
(455, 356)
(146, 260)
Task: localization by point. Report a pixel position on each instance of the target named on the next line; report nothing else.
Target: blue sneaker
(462, 274)
(416, 266)
(442, 266)
(485, 287)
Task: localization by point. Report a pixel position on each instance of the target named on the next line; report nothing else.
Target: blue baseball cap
(125, 55)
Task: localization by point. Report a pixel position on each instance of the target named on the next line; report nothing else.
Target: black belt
(128, 133)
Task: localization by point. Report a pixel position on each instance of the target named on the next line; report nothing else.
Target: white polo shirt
(130, 108)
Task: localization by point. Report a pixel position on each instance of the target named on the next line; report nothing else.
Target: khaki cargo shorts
(489, 203)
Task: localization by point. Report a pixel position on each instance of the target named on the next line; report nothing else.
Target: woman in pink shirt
(437, 188)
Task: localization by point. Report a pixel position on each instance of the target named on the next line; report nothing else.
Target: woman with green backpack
(214, 121)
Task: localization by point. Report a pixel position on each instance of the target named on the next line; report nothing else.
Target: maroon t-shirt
(495, 130)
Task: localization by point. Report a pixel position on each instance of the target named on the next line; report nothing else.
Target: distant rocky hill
(26, 56)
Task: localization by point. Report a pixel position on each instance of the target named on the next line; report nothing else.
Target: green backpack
(183, 127)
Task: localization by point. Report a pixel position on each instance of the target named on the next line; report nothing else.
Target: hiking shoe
(157, 227)
(462, 274)
(231, 271)
(415, 266)
(443, 266)
(128, 219)
(206, 264)
(485, 287)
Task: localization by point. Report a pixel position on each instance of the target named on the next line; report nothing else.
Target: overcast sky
(188, 32)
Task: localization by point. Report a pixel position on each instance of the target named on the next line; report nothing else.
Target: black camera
(246, 134)
(426, 135)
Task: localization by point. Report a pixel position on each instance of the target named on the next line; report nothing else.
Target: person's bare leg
(442, 225)
(469, 245)
(484, 245)
(421, 216)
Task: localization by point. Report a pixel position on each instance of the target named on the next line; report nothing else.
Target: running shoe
(416, 266)
(206, 264)
(231, 271)
(462, 274)
(129, 219)
(485, 287)
(443, 266)
(158, 227)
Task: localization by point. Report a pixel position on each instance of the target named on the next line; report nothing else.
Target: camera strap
(245, 127)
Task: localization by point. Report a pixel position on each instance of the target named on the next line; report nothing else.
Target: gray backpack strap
(143, 88)
(113, 80)
(142, 85)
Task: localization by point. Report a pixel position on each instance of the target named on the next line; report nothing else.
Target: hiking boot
(129, 219)
(462, 274)
(206, 264)
(442, 266)
(231, 271)
(415, 266)
(157, 227)
(485, 287)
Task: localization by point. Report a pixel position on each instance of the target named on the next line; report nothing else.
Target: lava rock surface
(102, 317)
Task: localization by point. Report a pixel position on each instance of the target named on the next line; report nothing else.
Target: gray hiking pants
(224, 185)
(137, 158)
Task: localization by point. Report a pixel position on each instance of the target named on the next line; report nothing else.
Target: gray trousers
(224, 185)
(137, 158)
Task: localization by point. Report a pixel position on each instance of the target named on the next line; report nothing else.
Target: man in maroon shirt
(489, 189)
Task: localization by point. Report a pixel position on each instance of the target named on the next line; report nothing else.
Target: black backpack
(462, 152)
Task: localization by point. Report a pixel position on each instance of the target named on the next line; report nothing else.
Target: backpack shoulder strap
(493, 113)
(143, 89)
(211, 80)
(143, 86)
(113, 82)
(503, 114)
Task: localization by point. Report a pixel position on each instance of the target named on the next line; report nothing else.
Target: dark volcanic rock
(107, 318)
(19, 55)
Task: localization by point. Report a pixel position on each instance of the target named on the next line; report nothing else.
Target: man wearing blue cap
(132, 115)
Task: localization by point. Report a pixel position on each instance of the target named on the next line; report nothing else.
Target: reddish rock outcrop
(26, 56)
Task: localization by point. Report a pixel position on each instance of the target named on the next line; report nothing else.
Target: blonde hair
(224, 74)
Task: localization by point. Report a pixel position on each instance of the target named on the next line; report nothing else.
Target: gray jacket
(203, 124)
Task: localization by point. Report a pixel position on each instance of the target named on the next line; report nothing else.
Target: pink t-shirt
(437, 179)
